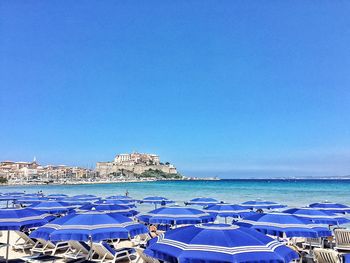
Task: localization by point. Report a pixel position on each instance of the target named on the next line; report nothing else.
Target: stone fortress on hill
(136, 164)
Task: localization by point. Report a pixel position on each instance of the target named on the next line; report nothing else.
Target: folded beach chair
(342, 239)
(322, 255)
(43, 246)
(106, 253)
(145, 258)
(23, 242)
(76, 250)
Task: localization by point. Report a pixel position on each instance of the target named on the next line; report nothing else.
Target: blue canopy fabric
(86, 198)
(331, 207)
(156, 200)
(121, 197)
(228, 210)
(214, 243)
(57, 196)
(280, 224)
(202, 201)
(53, 207)
(130, 204)
(175, 215)
(260, 204)
(18, 218)
(14, 193)
(74, 201)
(318, 216)
(31, 200)
(91, 226)
(118, 209)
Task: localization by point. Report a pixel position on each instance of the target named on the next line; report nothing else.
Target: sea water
(294, 193)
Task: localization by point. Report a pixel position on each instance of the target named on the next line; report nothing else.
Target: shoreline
(104, 182)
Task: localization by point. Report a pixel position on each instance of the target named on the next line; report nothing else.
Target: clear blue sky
(229, 88)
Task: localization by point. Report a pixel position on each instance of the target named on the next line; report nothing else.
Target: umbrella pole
(225, 220)
(8, 246)
(90, 250)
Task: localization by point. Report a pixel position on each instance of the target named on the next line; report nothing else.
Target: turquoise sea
(290, 192)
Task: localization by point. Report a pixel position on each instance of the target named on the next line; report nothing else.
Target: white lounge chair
(322, 255)
(24, 242)
(145, 258)
(141, 240)
(43, 246)
(106, 253)
(342, 239)
(76, 250)
(312, 243)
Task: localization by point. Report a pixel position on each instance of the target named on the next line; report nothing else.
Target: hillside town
(125, 167)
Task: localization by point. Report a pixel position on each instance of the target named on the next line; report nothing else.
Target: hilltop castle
(135, 163)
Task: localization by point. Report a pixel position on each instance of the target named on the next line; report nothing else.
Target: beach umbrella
(19, 218)
(109, 208)
(218, 243)
(176, 215)
(228, 210)
(121, 197)
(33, 195)
(85, 197)
(260, 204)
(57, 196)
(91, 226)
(31, 200)
(74, 201)
(14, 193)
(116, 202)
(202, 201)
(282, 224)
(53, 207)
(8, 198)
(331, 207)
(318, 216)
(156, 200)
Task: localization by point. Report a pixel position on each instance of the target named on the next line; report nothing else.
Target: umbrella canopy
(121, 197)
(90, 226)
(156, 200)
(331, 207)
(74, 201)
(318, 216)
(31, 200)
(118, 209)
(280, 224)
(8, 197)
(218, 243)
(260, 204)
(202, 201)
(17, 218)
(57, 196)
(14, 193)
(86, 197)
(33, 195)
(228, 210)
(176, 215)
(53, 207)
(116, 202)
